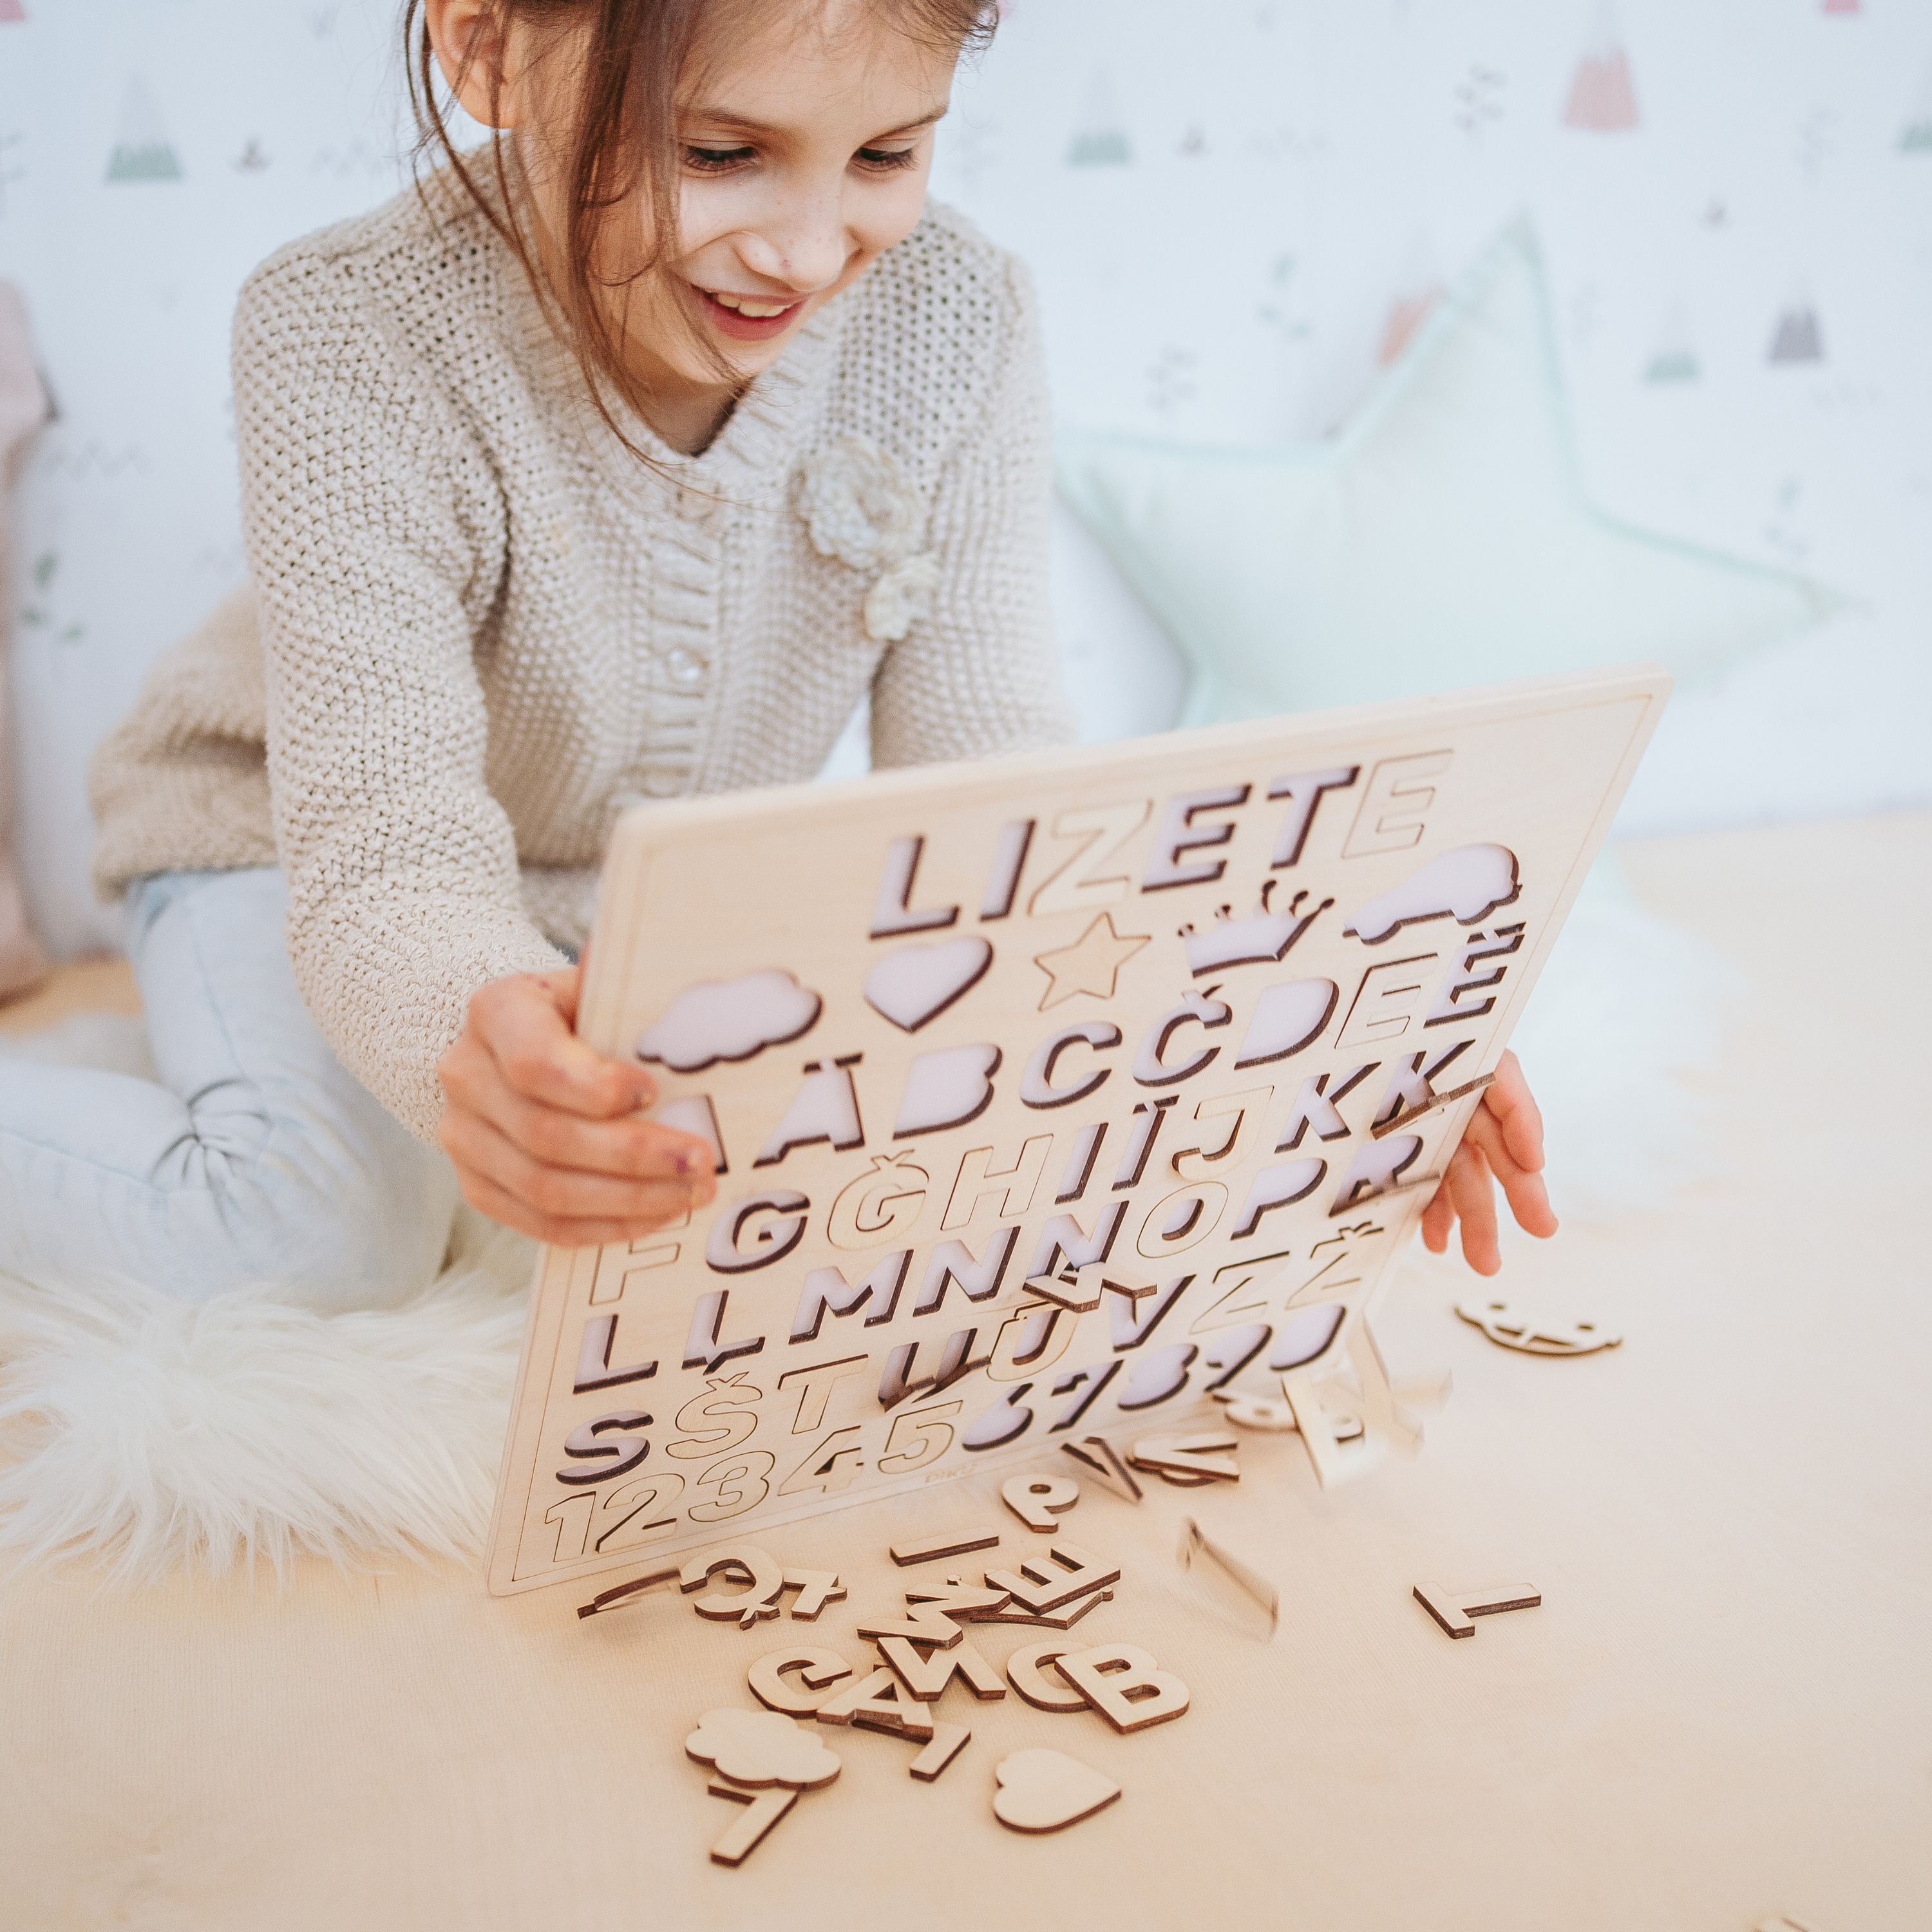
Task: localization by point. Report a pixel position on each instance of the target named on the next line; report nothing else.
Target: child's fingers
(560, 1230)
(1472, 1194)
(1439, 1220)
(1508, 1100)
(630, 1148)
(522, 1021)
(565, 1193)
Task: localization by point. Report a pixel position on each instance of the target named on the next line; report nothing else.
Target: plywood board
(955, 1029)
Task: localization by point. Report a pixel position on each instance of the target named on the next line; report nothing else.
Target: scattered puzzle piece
(1454, 1610)
(1047, 1791)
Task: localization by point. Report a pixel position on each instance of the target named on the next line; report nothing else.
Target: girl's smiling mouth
(746, 318)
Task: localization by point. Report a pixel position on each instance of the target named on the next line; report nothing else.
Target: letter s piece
(629, 1451)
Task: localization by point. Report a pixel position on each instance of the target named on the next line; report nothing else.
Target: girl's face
(804, 151)
(805, 155)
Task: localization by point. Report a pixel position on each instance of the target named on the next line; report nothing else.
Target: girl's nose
(802, 244)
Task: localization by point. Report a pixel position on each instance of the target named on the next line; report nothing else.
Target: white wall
(1295, 168)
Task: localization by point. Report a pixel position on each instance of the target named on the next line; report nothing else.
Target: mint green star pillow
(1443, 538)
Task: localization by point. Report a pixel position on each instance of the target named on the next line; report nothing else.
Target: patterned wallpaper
(1237, 211)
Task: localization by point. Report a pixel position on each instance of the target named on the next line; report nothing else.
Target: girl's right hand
(544, 1131)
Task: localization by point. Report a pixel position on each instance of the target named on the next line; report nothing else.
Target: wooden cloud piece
(1096, 1456)
(1188, 1455)
(1195, 1541)
(1039, 1088)
(878, 1703)
(1122, 1682)
(739, 1563)
(1037, 1500)
(1046, 1791)
(925, 1675)
(1044, 1583)
(1532, 1332)
(1024, 1672)
(761, 1747)
(948, 1741)
(928, 1548)
(764, 1809)
(1456, 1610)
(818, 1668)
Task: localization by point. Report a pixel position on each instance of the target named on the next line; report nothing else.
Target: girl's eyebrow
(724, 118)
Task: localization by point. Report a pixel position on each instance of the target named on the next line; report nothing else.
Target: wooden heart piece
(1046, 1791)
(917, 983)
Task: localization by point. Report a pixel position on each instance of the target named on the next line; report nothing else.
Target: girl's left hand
(1505, 1141)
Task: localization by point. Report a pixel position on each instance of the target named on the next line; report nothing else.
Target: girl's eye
(883, 159)
(717, 161)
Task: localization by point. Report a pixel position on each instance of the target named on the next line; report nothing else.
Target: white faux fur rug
(149, 1434)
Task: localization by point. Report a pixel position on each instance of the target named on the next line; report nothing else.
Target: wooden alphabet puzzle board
(1049, 1095)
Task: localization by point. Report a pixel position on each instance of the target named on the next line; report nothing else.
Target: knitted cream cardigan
(486, 630)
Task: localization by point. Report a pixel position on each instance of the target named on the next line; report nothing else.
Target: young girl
(616, 464)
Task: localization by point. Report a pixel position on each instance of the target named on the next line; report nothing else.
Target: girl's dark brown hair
(635, 63)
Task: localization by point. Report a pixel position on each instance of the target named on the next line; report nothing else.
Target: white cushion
(1442, 538)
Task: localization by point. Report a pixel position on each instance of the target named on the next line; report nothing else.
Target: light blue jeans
(253, 1160)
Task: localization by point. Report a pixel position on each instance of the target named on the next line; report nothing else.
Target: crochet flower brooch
(859, 509)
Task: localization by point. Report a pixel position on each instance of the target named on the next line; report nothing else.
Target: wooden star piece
(1091, 965)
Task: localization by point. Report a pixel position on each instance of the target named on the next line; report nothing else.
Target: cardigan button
(685, 668)
(696, 506)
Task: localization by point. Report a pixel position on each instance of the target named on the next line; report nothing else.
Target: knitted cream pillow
(1444, 537)
(23, 408)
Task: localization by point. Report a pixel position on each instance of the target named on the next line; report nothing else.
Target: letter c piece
(725, 1249)
(1037, 1089)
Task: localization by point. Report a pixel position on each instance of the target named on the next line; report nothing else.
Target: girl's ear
(475, 48)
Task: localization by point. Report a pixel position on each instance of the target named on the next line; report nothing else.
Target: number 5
(918, 1437)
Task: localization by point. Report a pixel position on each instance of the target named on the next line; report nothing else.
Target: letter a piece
(877, 1702)
(1455, 1609)
(1120, 1681)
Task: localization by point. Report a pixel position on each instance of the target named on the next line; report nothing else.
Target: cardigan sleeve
(377, 533)
(976, 677)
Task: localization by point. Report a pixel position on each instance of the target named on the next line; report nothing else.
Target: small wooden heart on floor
(1047, 1790)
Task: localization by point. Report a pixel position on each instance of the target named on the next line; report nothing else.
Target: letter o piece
(819, 1669)
(1023, 1670)
(1037, 1500)
(1120, 1681)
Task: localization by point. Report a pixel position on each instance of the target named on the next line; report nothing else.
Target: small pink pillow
(23, 408)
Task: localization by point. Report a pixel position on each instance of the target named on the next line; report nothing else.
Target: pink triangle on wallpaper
(1842, 7)
(1601, 96)
(11, 10)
